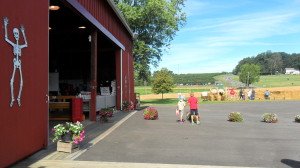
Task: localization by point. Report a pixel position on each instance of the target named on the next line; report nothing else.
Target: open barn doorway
(70, 61)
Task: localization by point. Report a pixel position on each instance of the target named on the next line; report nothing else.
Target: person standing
(249, 94)
(267, 94)
(241, 94)
(253, 94)
(193, 103)
(180, 107)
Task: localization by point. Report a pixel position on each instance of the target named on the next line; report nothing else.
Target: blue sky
(220, 33)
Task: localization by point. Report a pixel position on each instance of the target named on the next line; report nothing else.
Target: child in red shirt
(193, 102)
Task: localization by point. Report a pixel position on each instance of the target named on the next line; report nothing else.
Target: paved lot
(214, 142)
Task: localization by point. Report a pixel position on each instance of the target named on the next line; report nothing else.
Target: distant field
(279, 81)
(265, 81)
(144, 90)
(269, 81)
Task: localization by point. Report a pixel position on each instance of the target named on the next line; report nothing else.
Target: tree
(271, 62)
(162, 82)
(249, 73)
(155, 22)
(275, 63)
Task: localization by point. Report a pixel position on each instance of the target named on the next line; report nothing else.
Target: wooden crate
(68, 147)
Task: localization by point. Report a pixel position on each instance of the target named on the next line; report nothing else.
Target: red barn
(58, 47)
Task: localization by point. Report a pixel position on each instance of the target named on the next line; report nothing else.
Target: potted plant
(68, 136)
(235, 117)
(150, 113)
(269, 118)
(106, 113)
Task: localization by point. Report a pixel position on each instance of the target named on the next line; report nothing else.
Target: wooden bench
(60, 103)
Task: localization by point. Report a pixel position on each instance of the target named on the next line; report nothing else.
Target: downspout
(121, 79)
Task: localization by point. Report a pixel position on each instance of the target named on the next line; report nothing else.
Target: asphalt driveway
(214, 142)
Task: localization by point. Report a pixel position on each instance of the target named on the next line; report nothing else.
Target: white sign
(105, 91)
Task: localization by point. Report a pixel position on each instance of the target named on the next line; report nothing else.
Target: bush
(269, 118)
(235, 117)
(297, 118)
(150, 113)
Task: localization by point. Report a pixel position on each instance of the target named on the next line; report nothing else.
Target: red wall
(24, 128)
(102, 11)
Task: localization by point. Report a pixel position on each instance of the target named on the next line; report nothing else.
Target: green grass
(278, 81)
(266, 81)
(144, 90)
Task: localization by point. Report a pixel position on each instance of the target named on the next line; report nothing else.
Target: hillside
(267, 81)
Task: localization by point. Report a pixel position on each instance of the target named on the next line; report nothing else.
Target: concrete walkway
(89, 164)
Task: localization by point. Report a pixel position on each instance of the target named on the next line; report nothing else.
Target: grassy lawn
(143, 90)
(265, 81)
(278, 81)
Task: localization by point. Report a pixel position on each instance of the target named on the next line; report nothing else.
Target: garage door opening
(70, 63)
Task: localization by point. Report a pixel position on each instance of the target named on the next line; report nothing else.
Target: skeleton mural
(17, 62)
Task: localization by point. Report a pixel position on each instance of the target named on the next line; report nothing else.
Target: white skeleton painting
(17, 61)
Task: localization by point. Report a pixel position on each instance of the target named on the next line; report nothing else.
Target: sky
(220, 33)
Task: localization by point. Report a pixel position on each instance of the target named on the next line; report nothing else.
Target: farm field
(281, 86)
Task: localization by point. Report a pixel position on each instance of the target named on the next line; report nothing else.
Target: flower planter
(105, 114)
(67, 147)
(150, 114)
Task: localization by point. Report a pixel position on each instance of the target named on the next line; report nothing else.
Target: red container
(77, 111)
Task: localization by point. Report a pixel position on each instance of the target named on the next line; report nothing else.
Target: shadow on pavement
(291, 163)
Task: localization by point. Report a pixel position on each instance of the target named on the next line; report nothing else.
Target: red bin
(77, 111)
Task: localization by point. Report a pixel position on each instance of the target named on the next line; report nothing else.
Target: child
(193, 102)
(180, 107)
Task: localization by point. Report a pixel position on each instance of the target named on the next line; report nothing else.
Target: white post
(121, 79)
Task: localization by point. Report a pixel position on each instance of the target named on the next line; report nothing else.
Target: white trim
(121, 54)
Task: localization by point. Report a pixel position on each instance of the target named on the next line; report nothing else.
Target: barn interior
(70, 55)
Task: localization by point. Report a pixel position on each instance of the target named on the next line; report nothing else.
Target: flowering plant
(150, 113)
(127, 106)
(269, 118)
(106, 113)
(74, 130)
(297, 118)
(235, 117)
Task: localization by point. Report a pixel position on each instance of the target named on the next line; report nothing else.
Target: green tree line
(195, 79)
(271, 62)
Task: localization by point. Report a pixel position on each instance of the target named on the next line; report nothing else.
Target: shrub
(235, 117)
(269, 118)
(150, 113)
(297, 118)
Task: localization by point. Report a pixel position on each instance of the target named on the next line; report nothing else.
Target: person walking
(193, 103)
(180, 108)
